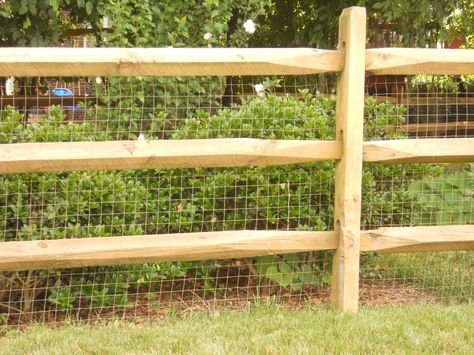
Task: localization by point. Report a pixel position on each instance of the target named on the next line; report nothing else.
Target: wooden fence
(351, 60)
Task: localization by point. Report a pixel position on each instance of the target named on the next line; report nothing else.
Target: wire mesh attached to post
(418, 107)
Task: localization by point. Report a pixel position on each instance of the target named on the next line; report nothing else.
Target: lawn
(264, 329)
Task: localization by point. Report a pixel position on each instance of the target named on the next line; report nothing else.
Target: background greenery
(279, 23)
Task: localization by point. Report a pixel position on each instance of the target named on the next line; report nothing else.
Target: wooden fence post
(348, 183)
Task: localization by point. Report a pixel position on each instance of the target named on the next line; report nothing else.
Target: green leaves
(62, 297)
(290, 270)
(448, 198)
(89, 7)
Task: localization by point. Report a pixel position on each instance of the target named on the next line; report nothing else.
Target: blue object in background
(62, 92)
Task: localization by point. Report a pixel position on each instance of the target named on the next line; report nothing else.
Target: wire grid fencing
(160, 201)
(420, 194)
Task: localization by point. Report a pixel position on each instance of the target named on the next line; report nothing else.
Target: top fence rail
(166, 61)
(225, 61)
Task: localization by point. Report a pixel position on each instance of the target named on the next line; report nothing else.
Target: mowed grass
(265, 329)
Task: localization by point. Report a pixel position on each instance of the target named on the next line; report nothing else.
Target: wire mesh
(158, 201)
(147, 291)
(85, 109)
(432, 106)
(419, 194)
(291, 197)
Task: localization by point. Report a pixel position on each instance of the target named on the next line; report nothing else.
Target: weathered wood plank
(348, 181)
(412, 61)
(430, 150)
(191, 153)
(418, 239)
(67, 253)
(166, 61)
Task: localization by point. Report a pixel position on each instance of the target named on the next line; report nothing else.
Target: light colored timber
(428, 150)
(418, 239)
(440, 127)
(166, 61)
(348, 180)
(191, 153)
(413, 61)
(65, 253)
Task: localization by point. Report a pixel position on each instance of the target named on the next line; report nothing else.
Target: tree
(42, 22)
(149, 23)
(297, 23)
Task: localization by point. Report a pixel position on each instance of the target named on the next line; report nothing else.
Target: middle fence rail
(349, 151)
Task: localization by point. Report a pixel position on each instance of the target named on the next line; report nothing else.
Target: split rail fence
(351, 61)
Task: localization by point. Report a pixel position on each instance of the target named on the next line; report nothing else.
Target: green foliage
(39, 22)
(315, 22)
(442, 83)
(273, 117)
(448, 198)
(61, 297)
(14, 129)
(146, 23)
(292, 270)
(139, 23)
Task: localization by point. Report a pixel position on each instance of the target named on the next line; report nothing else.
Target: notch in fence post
(348, 182)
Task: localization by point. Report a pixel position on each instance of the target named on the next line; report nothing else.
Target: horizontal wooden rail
(227, 152)
(167, 61)
(412, 61)
(420, 150)
(225, 61)
(190, 153)
(67, 253)
(415, 239)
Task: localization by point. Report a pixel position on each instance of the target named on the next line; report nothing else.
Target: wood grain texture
(126, 155)
(166, 61)
(66, 253)
(348, 180)
(428, 150)
(418, 239)
(412, 61)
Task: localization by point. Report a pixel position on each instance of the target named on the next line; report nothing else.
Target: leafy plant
(448, 197)
(62, 297)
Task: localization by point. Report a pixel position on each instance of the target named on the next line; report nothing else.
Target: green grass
(266, 329)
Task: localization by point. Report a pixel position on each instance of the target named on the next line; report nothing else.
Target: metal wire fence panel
(151, 108)
(148, 291)
(82, 204)
(430, 106)
(98, 204)
(429, 277)
(419, 194)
